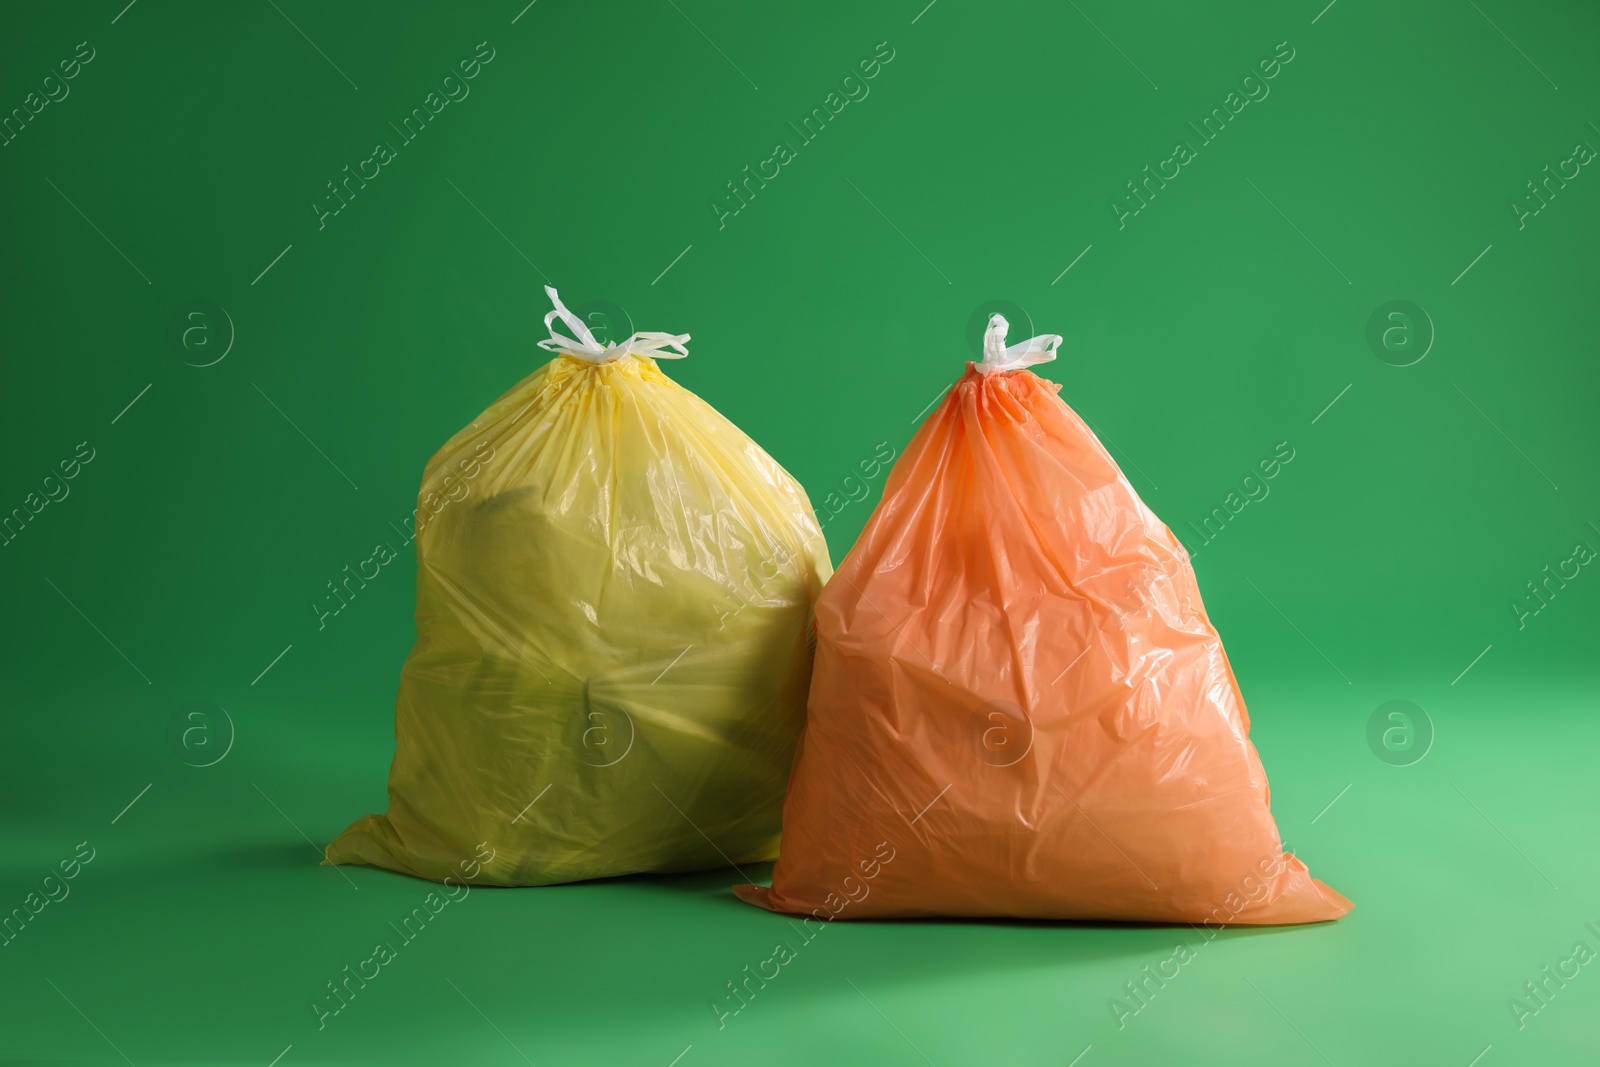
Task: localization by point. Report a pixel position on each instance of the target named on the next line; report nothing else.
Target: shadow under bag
(614, 601)
(1019, 708)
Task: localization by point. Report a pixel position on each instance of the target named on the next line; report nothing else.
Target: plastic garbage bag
(1019, 707)
(614, 611)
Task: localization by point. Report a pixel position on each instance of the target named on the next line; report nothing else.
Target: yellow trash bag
(614, 634)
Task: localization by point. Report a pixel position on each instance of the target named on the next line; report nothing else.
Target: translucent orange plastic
(1018, 706)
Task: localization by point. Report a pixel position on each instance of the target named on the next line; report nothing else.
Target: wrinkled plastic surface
(1019, 707)
(614, 603)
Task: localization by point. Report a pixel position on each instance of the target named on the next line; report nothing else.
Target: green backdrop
(244, 383)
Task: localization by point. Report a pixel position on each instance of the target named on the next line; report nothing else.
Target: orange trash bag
(1018, 706)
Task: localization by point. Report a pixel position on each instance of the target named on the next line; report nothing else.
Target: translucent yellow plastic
(614, 619)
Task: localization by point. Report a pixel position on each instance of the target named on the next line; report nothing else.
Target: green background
(1222, 319)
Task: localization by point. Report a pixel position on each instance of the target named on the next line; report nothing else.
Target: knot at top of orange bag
(647, 344)
(997, 357)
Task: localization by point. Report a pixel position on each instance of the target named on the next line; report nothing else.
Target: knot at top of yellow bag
(645, 344)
